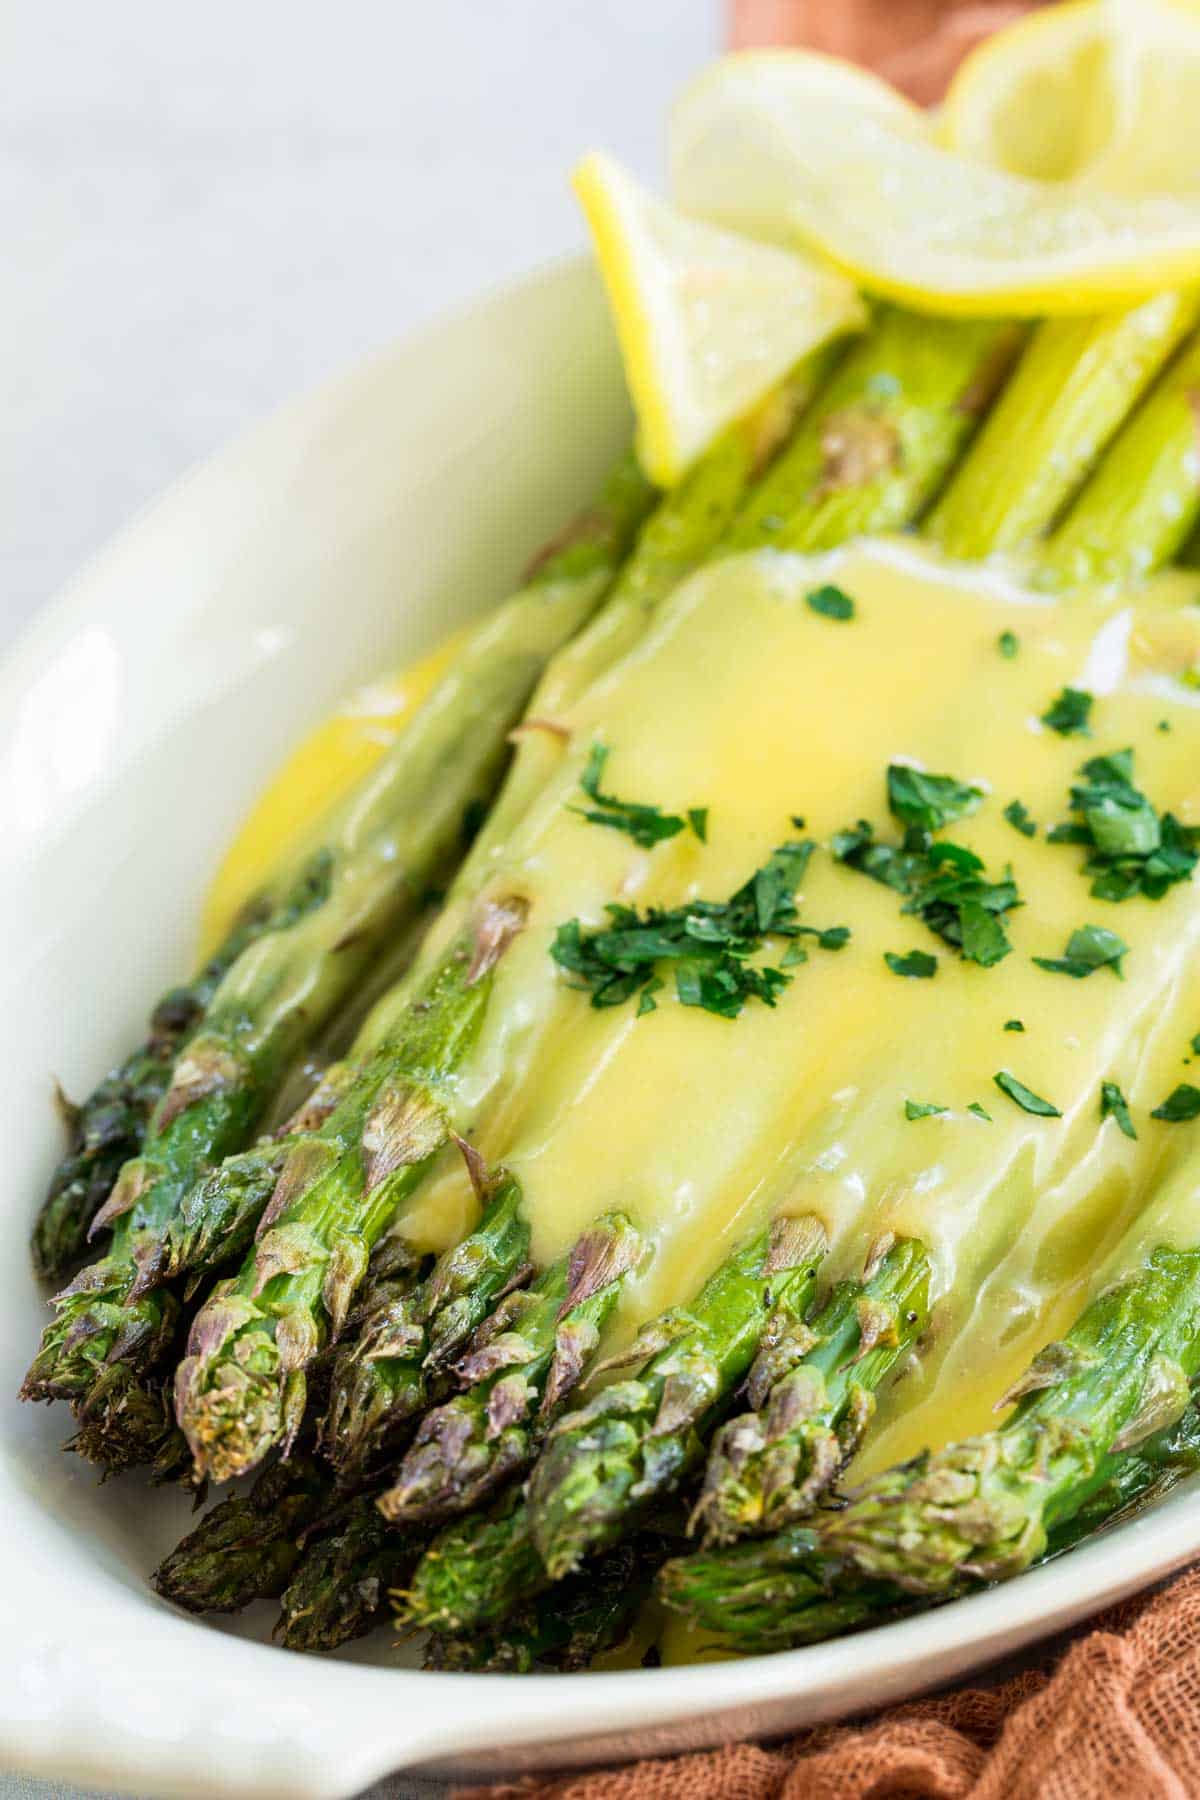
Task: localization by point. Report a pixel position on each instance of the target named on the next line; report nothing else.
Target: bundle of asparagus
(390, 1401)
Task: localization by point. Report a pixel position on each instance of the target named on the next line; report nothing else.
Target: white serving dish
(137, 718)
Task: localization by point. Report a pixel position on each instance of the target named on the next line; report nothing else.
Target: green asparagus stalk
(606, 1462)
(1139, 507)
(811, 1391)
(110, 1126)
(1075, 384)
(242, 1388)
(383, 847)
(567, 1628)
(885, 433)
(523, 1364)
(245, 1548)
(339, 1582)
(775, 1594)
(476, 1573)
(381, 1381)
(984, 1507)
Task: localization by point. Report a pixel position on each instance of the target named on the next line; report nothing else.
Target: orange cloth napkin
(1115, 1715)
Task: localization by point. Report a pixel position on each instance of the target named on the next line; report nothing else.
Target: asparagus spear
(110, 1125)
(606, 1462)
(241, 1389)
(246, 1547)
(811, 1393)
(984, 1507)
(1139, 507)
(524, 1362)
(567, 1628)
(381, 1380)
(127, 1421)
(340, 1580)
(384, 845)
(774, 1593)
(475, 1574)
(885, 433)
(1074, 385)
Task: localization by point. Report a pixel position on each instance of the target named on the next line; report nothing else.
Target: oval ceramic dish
(137, 719)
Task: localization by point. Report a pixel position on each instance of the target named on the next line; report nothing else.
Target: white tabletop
(208, 209)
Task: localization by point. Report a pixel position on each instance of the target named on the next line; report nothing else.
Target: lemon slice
(1100, 92)
(707, 321)
(807, 158)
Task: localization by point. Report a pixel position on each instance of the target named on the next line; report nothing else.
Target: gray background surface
(208, 209)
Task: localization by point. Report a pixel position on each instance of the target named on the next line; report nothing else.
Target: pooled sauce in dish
(748, 700)
(321, 769)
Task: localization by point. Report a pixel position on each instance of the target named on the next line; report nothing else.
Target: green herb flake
(1025, 1097)
(1090, 948)
(916, 964)
(922, 1109)
(1013, 1025)
(1069, 713)
(707, 943)
(698, 820)
(1164, 725)
(1131, 848)
(943, 883)
(980, 1111)
(1196, 1044)
(1113, 1105)
(831, 602)
(646, 1001)
(1008, 643)
(1181, 1104)
(646, 825)
(925, 802)
(1017, 814)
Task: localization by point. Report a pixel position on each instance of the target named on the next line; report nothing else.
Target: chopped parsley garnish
(646, 825)
(1196, 1044)
(922, 1109)
(833, 937)
(1181, 1104)
(708, 942)
(1025, 1097)
(979, 1111)
(1113, 1105)
(1069, 713)
(1090, 948)
(1164, 725)
(1131, 848)
(1017, 814)
(917, 964)
(943, 884)
(1008, 643)
(831, 602)
(1013, 1025)
(925, 802)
